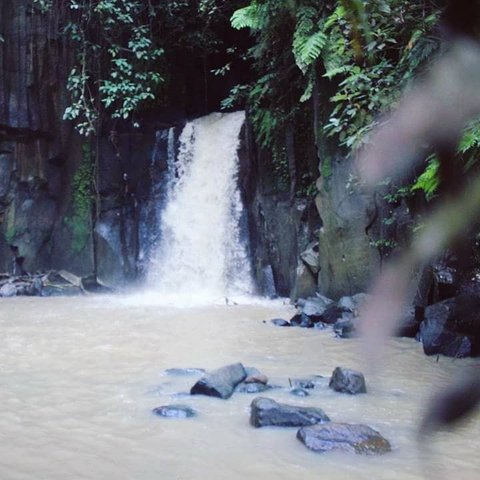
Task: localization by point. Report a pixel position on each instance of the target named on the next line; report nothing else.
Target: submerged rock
(280, 322)
(299, 392)
(345, 328)
(302, 383)
(349, 381)
(301, 320)
(220, 383)
(252, 387)
(267, 412)
(175, 411)
(359, 439)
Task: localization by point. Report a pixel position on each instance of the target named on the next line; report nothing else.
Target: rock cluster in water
(316, 431)
(50, 284)
(450, 327)
(321, 312)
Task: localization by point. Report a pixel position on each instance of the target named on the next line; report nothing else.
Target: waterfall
(203, 251)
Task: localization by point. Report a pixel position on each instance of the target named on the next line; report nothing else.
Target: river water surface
(79, 378)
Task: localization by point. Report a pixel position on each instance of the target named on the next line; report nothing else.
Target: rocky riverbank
(49, 284)
(450, 327)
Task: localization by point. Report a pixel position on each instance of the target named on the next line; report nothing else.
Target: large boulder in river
(220, 383)
(343, 437)
(267, 412)
(345, 380)
(452, 327)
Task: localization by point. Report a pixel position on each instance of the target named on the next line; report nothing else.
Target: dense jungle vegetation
(313, 75)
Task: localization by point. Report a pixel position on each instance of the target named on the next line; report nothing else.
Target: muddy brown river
(79, 378)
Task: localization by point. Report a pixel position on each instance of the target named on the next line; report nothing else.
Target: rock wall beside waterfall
(47, 215)
(39, 153)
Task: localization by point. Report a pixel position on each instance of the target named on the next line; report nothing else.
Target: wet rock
(182, 372)
(301, 320)
(314, 306)
(302, 383)
(359, 439)
(345, 380)
(299, 392)
(353, 303)
(60, 291)
(305, 282)
(409, 325)
(452, 327)
(267, 412)
(320, 326)
(175, 411)
(332, 314)
(220, 383)
(8, 290)
(251, 387)
(345, 327)
(280, 322)
(36, 287)
(256, 378)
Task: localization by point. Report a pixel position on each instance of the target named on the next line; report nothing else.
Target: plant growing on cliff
(116, 69)
(80, 220)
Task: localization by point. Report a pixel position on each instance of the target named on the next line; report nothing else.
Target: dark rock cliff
(39, 153)
(52, 217)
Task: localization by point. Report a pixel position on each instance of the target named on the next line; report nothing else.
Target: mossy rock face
(344, 437)
(347, 260)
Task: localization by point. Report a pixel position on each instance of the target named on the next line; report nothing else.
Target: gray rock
(333, 313)
(175, 411)
(220, 383)
(301, 320)
(299, 392)
(359, 439)
(302, 383)
(181, 372)
(315, 306)
(409, 324)
(305, 282)
(280, 322)
(345, 328)
(251, 387)
(310, 257)
(349, 381)
(266, 412)
(8, 290)
(354, 302)
(452, 327)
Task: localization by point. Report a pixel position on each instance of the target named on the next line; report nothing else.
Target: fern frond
(248, 17)
(308, 40)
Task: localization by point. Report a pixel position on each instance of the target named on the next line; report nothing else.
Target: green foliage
(116, 70)
(250, 16)
(308, 39)
(398, 40)
(428, 181)
(80, 220)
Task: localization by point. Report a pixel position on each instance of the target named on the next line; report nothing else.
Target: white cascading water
(201, 256)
